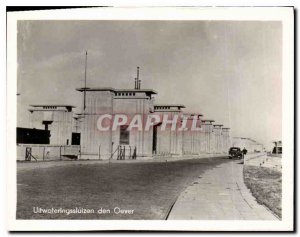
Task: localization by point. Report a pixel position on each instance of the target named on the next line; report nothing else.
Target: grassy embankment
(266, 186)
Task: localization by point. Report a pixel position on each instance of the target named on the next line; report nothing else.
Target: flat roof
(137, 90)
(79, 115)
(56, 105)
(170, 105)
(116, 90)
(199, 115)
(96, 89)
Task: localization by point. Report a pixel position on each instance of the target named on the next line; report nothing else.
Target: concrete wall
(140, 104)
(60, 128)
(202, 140)
(93, 140)
(169, 142)
(190, 142)
(104, 144)
(177, 142)
(218, 140)
(209, 139)
(226, 140)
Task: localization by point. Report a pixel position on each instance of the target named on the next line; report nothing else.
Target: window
(124, 135)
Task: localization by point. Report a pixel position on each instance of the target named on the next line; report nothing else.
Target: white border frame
(284, 14)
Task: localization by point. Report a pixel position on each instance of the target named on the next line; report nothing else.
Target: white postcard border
(284, 14)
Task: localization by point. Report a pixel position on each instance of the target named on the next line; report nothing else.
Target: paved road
(148, 188)
(219, 194)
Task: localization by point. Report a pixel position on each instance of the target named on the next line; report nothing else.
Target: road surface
(148, 188)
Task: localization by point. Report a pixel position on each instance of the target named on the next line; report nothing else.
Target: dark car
(235, 152)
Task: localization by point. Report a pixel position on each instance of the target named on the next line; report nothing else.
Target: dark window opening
(124, 135)
(154, 140)
(33, 136)
(75, 138)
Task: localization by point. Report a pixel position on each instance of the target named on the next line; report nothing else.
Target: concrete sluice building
(95, 134)
(102, 105)
(207, 131)
(277, 149)
(174, 141)
(226, 141)
(56, 118)
(96, 144)
(168, 141)
(58, 122)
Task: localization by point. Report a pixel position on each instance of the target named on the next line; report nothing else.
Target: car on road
(235, 152)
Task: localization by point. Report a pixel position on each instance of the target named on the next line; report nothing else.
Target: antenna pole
(137, 77)
(84, 92)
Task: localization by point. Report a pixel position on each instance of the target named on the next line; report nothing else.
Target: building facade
(208, 137)
(226, 141)
(58, 119)
(108, 126)
(160, 139)
(108, 101)
(277, 149)
(167, 141)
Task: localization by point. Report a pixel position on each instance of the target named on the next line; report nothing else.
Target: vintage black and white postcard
(151, 119)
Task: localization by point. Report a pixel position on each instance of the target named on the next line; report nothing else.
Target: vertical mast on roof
(135, 83)
(84, 94)
(138, 79)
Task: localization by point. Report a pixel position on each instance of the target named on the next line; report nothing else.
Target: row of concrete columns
(211, 139)
(214, 138)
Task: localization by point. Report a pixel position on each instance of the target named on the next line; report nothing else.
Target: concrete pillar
(217, 129)
(226, 140)
(208, 134)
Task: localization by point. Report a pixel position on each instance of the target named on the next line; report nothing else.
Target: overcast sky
(229, 71)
